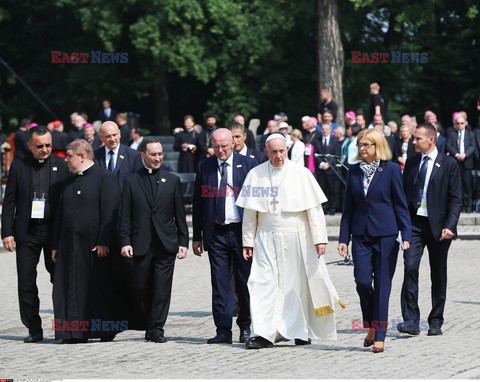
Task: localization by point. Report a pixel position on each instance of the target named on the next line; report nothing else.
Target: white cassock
(291, 294)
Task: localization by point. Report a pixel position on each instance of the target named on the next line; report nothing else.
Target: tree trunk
(160, 105)
(330, 53)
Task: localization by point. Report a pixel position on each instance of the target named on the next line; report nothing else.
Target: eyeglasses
(46, 145)
(460, 123)
(365, 145)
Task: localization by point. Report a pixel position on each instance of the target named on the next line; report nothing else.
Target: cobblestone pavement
(186, 355)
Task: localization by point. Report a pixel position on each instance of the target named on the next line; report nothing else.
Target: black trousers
(226, 257)
(467, 188)
(437, 252)
(327, 181)
(152, 282)
(28, 256)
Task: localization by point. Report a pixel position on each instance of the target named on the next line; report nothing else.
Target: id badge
(38, 208)
(308, 149)
(422, 210)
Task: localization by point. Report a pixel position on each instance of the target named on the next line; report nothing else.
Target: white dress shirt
(115, 157)
(422, 210)
(231, 210)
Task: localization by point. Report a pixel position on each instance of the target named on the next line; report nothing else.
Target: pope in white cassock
(284, 229)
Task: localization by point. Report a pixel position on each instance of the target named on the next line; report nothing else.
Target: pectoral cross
(274, 203)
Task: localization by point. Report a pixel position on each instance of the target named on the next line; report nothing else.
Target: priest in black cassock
(188, 143)
(85, 225)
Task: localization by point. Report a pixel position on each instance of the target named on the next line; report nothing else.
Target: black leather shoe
(108, 339)
(300, 342)
(434, 331)
(403, 328)
(147, 336)
(244, 336)
(258, 343)
(158, 338)
(33, 337)
(220, 339)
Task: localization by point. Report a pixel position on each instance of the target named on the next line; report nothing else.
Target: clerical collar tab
(41, 160)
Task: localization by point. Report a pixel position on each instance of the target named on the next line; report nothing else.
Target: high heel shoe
(378, 349)
(367, 343)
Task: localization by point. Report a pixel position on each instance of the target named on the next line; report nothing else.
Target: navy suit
(444, 203)
(128, 161)
(223, 243)
(441, 144)
(257, 155)
(373, 221)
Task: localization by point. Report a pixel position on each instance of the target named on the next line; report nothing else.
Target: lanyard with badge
(38, 207)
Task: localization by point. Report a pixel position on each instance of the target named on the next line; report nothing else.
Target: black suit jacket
(397, 151)
(444, 192)
(21, 147)
(469, 145)
(204, 204)
(165, 214)
(125, 130)
(333, 148)
(17, 202)
(128, 161)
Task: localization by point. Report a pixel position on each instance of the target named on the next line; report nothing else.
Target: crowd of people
(111, 220)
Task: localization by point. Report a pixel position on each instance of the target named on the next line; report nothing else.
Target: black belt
(228, 226)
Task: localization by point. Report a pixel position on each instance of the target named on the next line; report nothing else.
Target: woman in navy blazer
(375, 211)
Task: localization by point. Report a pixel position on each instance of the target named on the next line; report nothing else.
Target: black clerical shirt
(41, 183)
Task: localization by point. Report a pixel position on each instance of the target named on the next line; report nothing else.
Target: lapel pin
(252, 156)
(54, 169)
(164, 180)
(121, 157)
(239, 165)
(437, 164)
(380, 169)
(79, 192)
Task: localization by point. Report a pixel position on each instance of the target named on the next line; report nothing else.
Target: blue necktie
(111, 165)
(221, 194)
(422, 174)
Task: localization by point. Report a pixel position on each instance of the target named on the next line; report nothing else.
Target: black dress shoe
(404, 328)
(244, 336)
(300, 342)
(434, 331)
(158, 338)
(147, 336)
(258, 343)
(108, 338)
(33, 337)
(220, 339)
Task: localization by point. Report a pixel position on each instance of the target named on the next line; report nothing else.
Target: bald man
(217, 228)
(114, 156)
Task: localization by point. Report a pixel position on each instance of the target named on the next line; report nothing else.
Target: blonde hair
(375, 86)
(382, 149)
(296, 133)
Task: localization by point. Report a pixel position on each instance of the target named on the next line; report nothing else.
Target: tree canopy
(244, 56)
